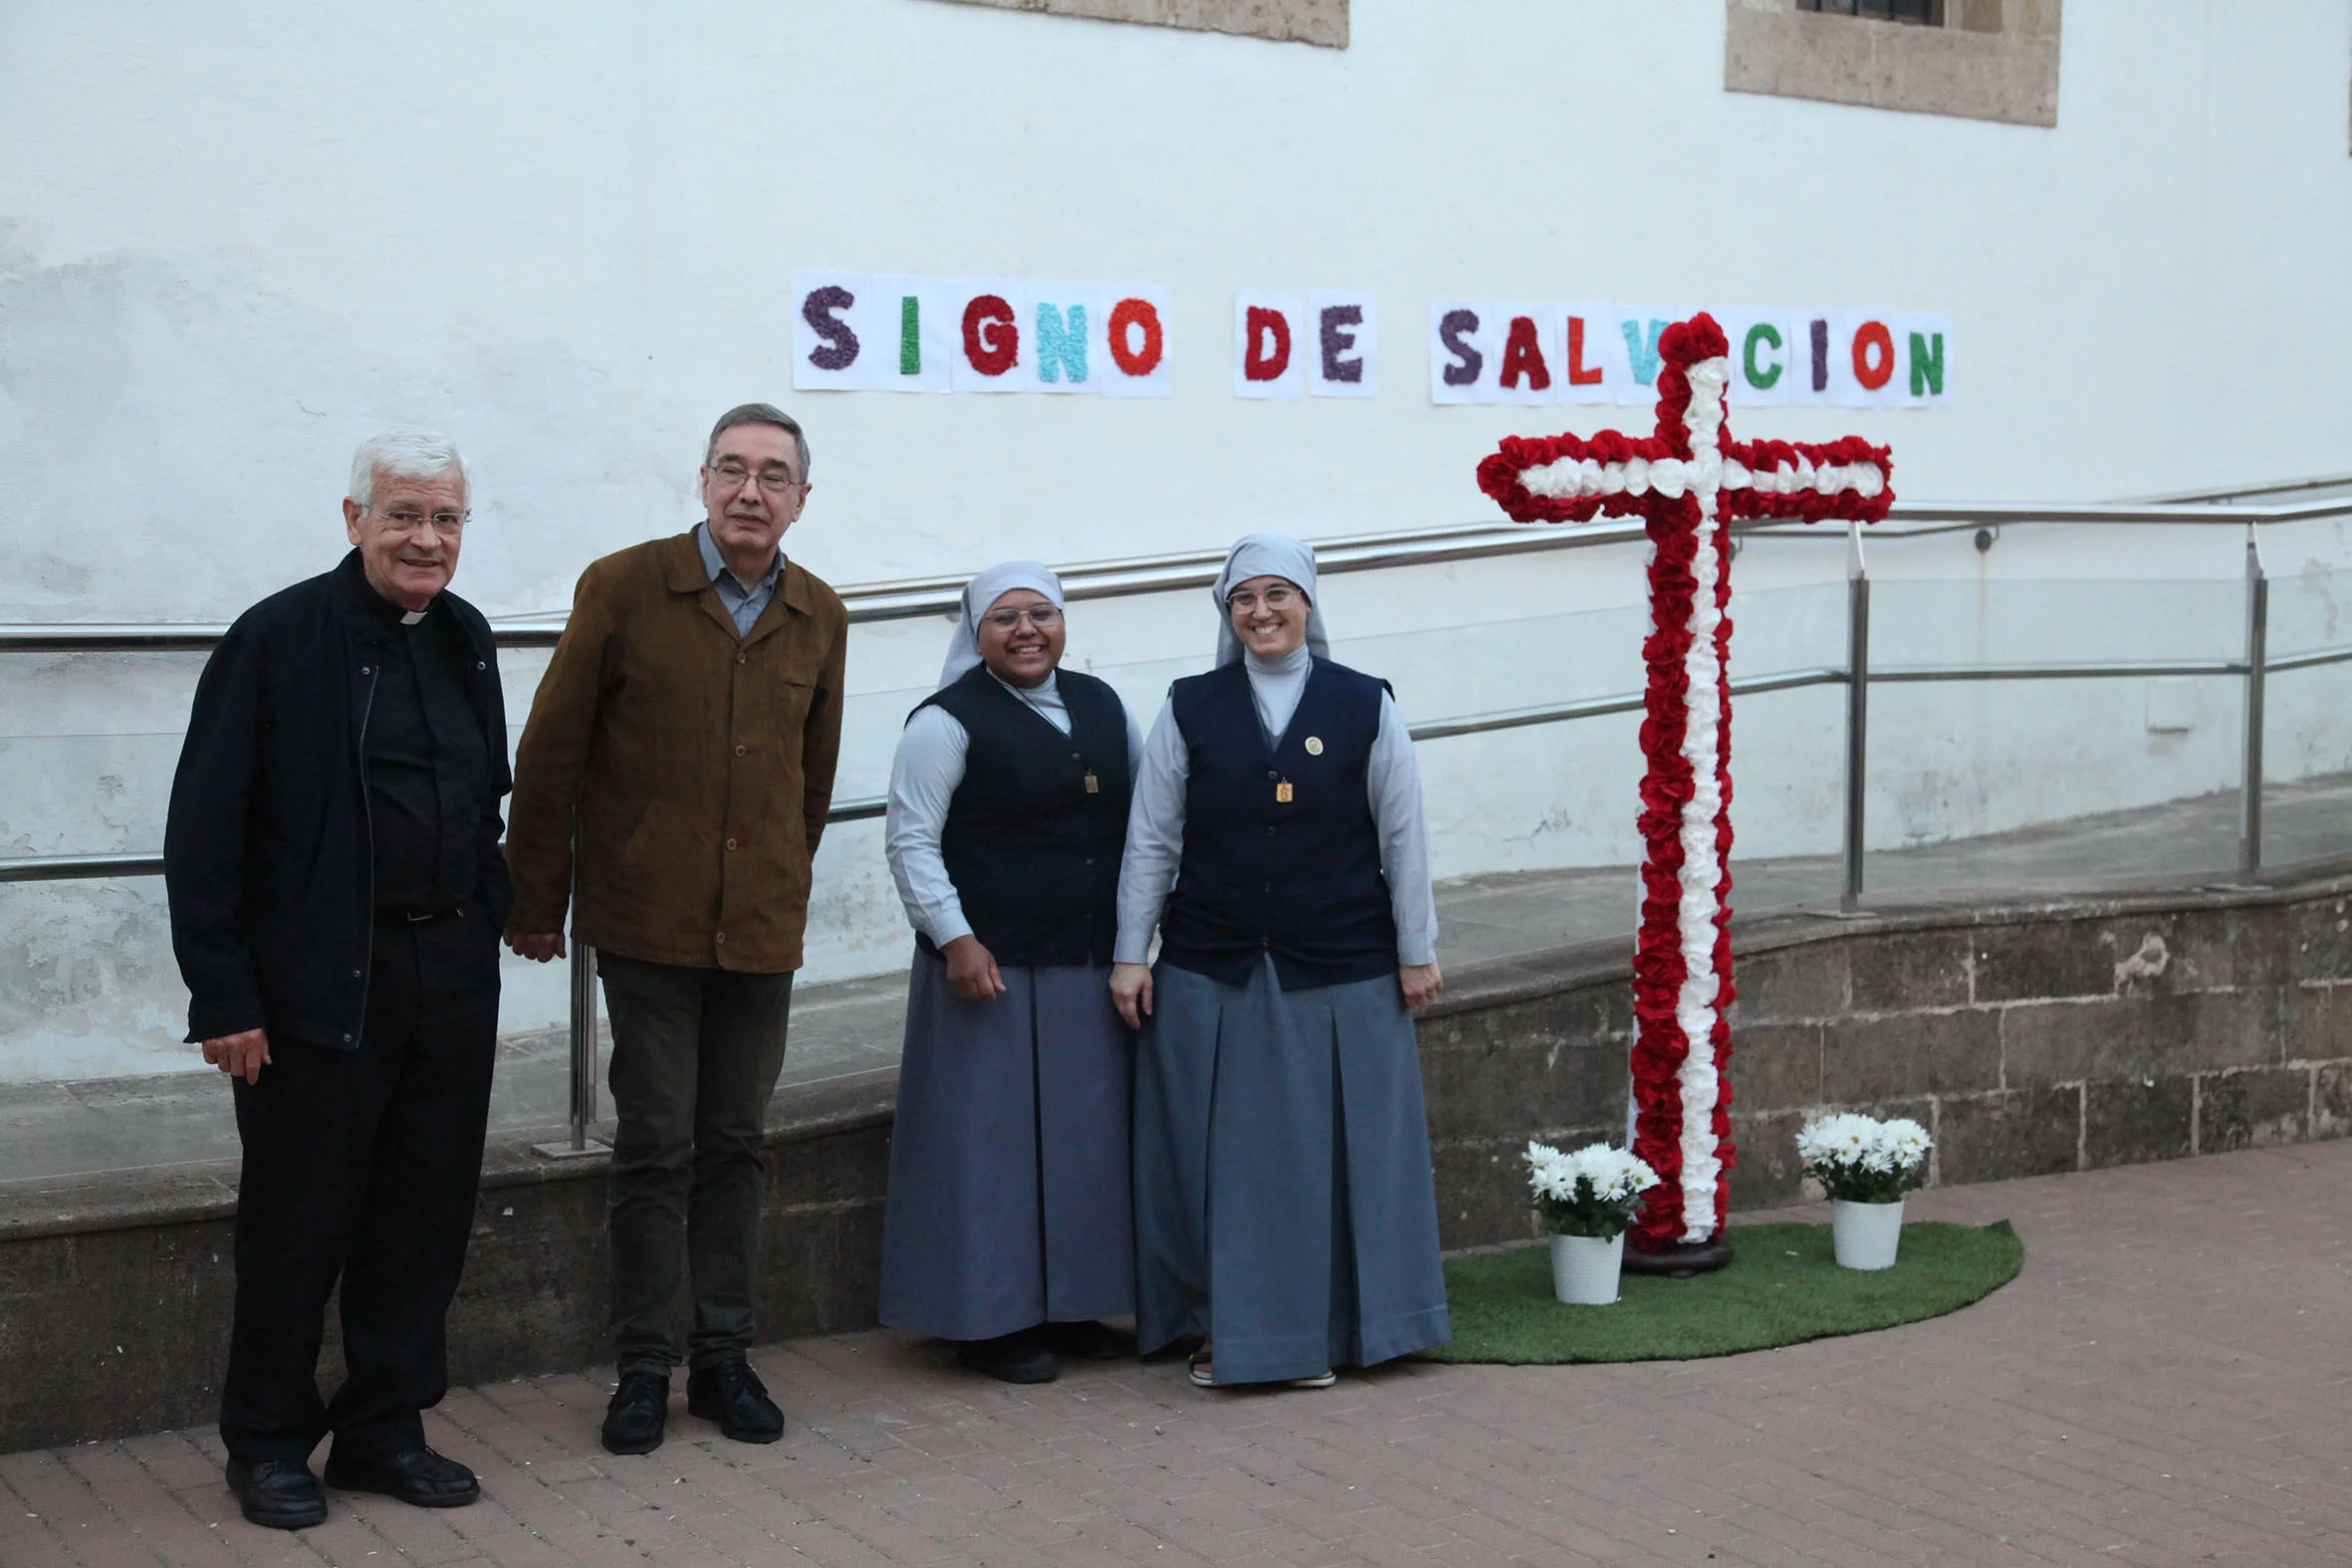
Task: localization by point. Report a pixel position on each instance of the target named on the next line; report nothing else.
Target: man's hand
(1419, 983)
(242, 1054)
(972, 970)
(1131, 992)
(537, 946)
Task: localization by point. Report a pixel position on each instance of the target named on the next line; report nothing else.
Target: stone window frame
(1995, 59)
(1320, 22)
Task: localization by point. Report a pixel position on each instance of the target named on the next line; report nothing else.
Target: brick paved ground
(2166, 1384)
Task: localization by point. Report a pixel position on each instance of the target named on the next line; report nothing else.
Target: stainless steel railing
(915, 597)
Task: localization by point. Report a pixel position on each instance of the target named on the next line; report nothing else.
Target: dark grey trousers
(695, 1056)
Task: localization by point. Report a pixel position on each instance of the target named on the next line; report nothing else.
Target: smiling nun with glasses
(1009, 1228)
(1284, 1206)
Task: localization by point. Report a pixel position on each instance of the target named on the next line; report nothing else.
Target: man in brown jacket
(684, 738)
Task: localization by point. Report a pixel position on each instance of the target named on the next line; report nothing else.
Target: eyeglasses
(775, 481)
(1276, 600)
(411, 520)
(1045, 617)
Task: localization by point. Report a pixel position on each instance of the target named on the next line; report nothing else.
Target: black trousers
(363, 1166)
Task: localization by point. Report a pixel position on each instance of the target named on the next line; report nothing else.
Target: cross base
(1680, 1259)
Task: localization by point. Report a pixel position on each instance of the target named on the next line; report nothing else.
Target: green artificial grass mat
(1781, 1285)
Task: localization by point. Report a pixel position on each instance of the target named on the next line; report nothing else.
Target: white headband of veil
(1268, 555)
(981, 596)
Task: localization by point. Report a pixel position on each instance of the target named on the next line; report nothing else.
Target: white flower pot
(1866, 1235)
(1584, 1268)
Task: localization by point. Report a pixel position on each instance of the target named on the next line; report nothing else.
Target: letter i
(910, 336)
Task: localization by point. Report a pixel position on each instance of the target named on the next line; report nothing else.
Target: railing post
(584, 1043)
(2257, 640)
(1857, 714)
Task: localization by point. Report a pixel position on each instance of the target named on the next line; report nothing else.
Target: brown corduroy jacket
(699, 765)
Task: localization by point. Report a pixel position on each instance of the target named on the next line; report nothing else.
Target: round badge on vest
(1315, 746)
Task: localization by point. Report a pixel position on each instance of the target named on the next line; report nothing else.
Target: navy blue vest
(1298, 878)
(1033, 853)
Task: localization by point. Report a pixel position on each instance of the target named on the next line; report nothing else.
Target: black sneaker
(634, 1419)
(279, 1494)
(731, 1394)
(1010, 1358)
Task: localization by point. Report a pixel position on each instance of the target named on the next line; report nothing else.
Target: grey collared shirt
(744, 603)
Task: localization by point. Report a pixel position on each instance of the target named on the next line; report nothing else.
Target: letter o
(1126, 316)
(1874, 356)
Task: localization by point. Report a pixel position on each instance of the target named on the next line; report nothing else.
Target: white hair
(405, 454)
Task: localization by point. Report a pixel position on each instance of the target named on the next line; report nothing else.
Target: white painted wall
(236, 239)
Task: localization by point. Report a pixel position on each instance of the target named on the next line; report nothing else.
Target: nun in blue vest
(1285, 1209)
(1008, 1227)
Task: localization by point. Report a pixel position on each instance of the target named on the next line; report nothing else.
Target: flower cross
(1687, 483)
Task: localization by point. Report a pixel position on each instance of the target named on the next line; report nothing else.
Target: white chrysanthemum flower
(1905, 1143)
(1860, 1158)
(1550, 1173)
(1594, 1174)
(1843, 1139)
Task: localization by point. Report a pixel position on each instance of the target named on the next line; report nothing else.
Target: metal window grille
(1920, 13)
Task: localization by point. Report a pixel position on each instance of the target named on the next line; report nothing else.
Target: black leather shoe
(1010, 1358)
(639, 1408)
(419, 1476)
(1088, 1341)
(280, 1495)
(731, 1394)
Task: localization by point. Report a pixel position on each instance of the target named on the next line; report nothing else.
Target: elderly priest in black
(336, 895)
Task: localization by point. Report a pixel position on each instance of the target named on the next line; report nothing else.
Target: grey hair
(404, 454)
(759, 415)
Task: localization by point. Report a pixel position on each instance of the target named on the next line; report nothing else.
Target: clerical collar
(360, 595)
(393, 610)
(396, 613)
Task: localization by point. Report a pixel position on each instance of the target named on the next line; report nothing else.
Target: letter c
(1760, 376)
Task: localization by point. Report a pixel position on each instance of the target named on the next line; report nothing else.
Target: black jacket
(266, 851)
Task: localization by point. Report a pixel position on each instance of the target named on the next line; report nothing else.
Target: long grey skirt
(1283, 1200)
(1010, 1199)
